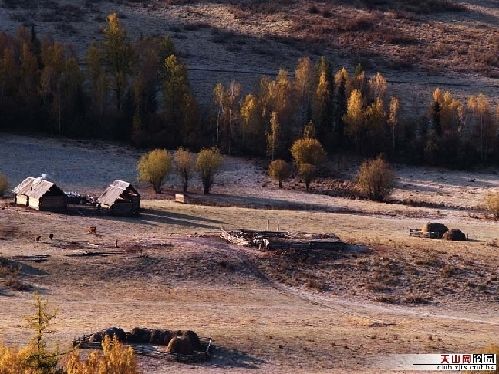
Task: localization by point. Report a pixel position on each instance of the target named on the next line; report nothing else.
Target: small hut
(40, 194)
(121, 199)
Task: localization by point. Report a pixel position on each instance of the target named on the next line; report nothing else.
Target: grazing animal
(51, 236)
(92, 230)
(38, 238)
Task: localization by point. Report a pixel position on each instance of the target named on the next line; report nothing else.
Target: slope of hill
(417, 45)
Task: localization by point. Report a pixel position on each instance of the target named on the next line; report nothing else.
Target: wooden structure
(40, 194)
(121, 199)
(276, 240)
(182, 198)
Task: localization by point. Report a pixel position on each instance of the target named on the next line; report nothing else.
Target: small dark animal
(51, 236)
(38, 238)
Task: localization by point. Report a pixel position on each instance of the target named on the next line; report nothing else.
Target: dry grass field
(319, 312)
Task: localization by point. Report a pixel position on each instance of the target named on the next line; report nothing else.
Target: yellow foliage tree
(376, 179)
(273, 137)
(354, 117)
(279, 170)
(208, 163)
(184, 163)
(308, 151)
(153, 167)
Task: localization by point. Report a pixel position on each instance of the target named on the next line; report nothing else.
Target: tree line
(138, 91)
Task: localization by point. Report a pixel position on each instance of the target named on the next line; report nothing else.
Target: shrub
(279, 170)
(308, 151)
(4, 184)
(153, 167)
(208, 162)
(184, 163)
(115, 358)
(492, 204)
(307, 172)
(375, 179)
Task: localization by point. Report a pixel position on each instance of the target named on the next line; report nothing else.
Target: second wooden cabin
(121, 199)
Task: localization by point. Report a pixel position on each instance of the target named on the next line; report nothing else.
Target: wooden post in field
(278, 226)
(268, 225)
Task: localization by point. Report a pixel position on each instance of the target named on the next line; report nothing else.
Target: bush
(308, 151)
(153, 167)
(307, 172)
(208, 162)
(4, 184)
(115, 358)
(375, 179)
(492, 204)
(279, 170)
(184, 162)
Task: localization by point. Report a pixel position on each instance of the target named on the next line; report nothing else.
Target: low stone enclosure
(183, 346)
(436, 230)
(279, 240)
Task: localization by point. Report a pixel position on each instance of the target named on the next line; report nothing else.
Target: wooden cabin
(40, 194)
(121, 199)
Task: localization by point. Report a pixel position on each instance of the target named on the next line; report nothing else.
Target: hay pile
(455, 235)
(185, 342)
(439, 229)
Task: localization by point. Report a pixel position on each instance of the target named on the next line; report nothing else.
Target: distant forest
(138, 91)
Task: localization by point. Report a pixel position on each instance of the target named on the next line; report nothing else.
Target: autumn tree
(153, 167)
(252, 128)
(373, 134)
(393, 119)
(376, 179)
(377, 87)
(118, 54)
(307, 173)
(323, 101)
(484, 127)
(179, 103)
(308, 154)
(184, 164)
(273, 136)
(279, 170)
(61, 81)
(354, 117)
(304, 88)
(227, 101)
(98, 79)
(208, 163)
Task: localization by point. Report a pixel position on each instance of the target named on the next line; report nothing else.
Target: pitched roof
(118, 190)
(36, 187)
(23, 187)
